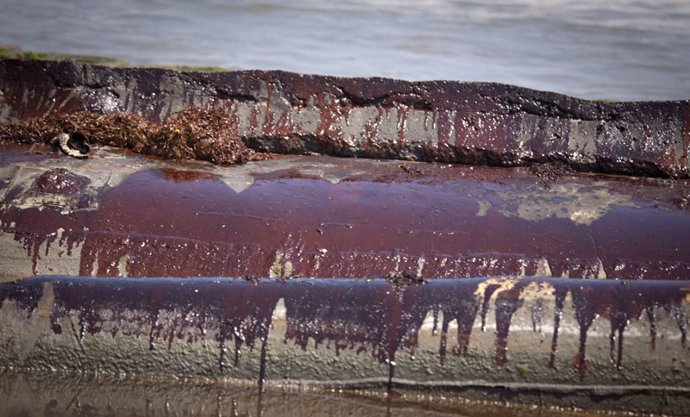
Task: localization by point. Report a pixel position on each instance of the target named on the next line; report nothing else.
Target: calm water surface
(614, 49)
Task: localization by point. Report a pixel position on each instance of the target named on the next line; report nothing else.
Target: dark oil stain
(179, 175)
(37, 227)
(621, 302)
(357, 315)
(182, 223)
(285, 174)
(560, 293)
(476, 123)
(506, 304)
(60, 181)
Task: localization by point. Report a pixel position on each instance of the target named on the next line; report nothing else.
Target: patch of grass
(15, 52)
(9, 52)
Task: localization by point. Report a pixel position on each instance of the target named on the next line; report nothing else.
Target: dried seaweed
(194, 133)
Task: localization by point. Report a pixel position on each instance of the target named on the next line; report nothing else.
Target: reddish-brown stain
(494, 124)
(340, 314)
(60, 181)
(180, 175)
(174, 222)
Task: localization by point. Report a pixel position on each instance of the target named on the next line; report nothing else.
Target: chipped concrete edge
(276, 111)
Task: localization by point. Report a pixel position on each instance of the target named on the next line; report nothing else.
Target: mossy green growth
(523, 370)
(281, 268)
(15, 52)
(188, 68)
(83, 59)
(9, 52)
(606, 100)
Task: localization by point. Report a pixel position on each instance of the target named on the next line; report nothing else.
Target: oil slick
(291, 219)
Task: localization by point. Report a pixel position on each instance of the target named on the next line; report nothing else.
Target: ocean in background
(614, 49)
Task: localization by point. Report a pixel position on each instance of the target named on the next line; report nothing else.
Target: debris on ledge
(194, 133)
(275, 111)
(72, 144)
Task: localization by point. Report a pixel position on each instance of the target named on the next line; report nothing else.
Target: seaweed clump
(194, 133)
(550, 172)
(404, 278)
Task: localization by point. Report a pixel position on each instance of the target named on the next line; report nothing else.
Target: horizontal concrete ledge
(35, 394)
(544, 339)
(411, 388)
(32, 394)
(382, 383)
(608, 399)
(118, 214)
(475, 123)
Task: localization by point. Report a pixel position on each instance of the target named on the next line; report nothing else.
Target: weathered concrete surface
(478, 123)
(77, 395)
(314, 216)
(616, 329)
(558, 341)
(575, 342)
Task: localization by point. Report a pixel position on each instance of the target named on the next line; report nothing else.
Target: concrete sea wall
(522, 273)
(476, 123)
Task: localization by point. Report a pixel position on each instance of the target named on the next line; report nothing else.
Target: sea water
(614, 49)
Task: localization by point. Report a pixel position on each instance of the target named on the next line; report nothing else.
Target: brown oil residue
(239, 311)
(620, 303)
(440, 121)
(60, 181)
(179, 223)
(342, 315)
(41, 229)
(182, 175)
